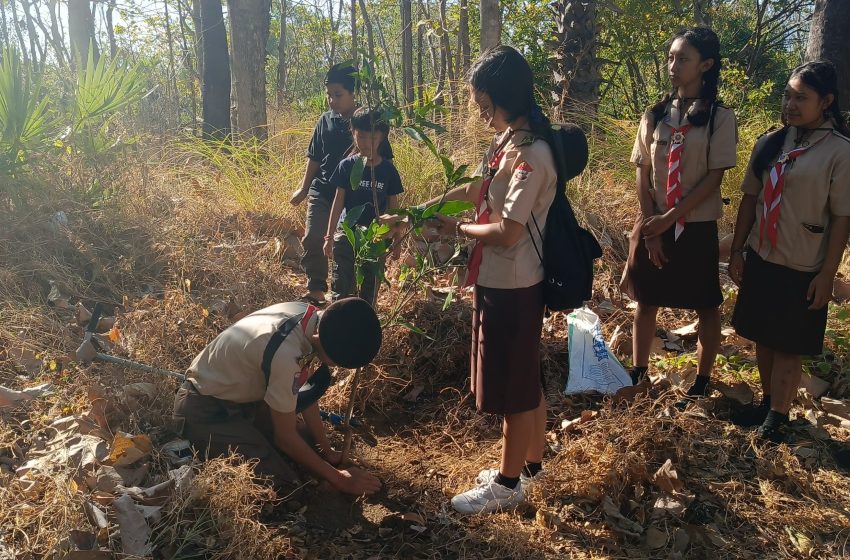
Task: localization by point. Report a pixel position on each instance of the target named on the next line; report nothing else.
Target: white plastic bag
(592, 366)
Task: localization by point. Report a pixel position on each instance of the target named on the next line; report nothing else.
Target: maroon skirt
(505, 357)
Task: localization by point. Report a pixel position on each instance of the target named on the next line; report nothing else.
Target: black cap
(350, 332)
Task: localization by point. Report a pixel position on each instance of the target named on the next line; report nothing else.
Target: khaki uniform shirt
(817, 187)
(524, 184)
(230, 367)
(702, 152)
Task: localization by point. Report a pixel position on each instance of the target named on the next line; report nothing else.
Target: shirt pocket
(809, 251)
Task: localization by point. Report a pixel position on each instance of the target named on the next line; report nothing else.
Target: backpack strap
(275, 341)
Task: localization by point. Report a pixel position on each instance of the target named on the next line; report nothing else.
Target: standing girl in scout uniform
(790, 234)
(505, 270)
(684, 145)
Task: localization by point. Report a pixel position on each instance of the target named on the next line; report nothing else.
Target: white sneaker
(487, 475)
(487, 498)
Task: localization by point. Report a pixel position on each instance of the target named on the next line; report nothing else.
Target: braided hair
(820, 75)
(506, 77)
(706, 42)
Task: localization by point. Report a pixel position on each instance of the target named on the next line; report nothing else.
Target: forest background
(148, 149)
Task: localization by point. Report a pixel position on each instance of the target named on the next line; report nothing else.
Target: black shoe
(750, 416)
(775, 434)
(638, 375)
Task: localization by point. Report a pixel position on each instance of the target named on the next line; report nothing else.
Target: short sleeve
(839, 185)
(530, 175)
(385, 149)
(315, 149)
(723, 145)
(340, 178)
(641, 154)
(394, 182)
(282, 394)
(751, 184)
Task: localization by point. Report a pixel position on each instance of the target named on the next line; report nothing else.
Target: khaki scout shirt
(817, 187)
(230, 367)
(524, 184)
(702, 153)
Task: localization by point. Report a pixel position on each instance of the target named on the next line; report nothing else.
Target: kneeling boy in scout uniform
(245, 389)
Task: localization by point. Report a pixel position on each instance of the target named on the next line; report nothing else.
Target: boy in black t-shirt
(330, 143)
(370, 132)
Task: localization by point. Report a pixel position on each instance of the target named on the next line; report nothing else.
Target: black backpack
(568, 249)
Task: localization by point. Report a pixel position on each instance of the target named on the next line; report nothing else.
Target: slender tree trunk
(370, 37)
(215, 85)
(463, 52)
(189, 60)
(281, 56)
(446, 53)
(22, 46)
(827, 41)
(4, 30)
(702, 13)
(420, 78)
(81, 28)
(491, 24)
(198, 29)
(407, 52)
(353, 29)
(389, 58)
(38, 53)
(172, 66)
(249, 20)
(110, 30)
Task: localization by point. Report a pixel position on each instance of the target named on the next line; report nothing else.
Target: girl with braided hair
(683, 147)
(790, 235)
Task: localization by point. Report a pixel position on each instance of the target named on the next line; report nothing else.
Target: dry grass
(193, 240)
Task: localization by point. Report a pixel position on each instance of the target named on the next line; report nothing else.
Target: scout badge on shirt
(304, 370)
(674, 173)
(482, 212)
(773, 186)
(522, 172)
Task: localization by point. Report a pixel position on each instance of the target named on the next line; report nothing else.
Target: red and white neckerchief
(305, 368)
(482, 212)
(773, 186)
(674, 173)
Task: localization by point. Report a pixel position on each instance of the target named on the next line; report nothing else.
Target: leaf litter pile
(90, 465)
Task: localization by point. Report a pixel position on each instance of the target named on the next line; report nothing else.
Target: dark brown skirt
(505, 358)
(691, 277)
(773, 310)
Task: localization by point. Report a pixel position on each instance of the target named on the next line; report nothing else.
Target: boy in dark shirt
(370, 132)
(330, 143)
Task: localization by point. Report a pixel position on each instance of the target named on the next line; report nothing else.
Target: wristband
(458, 232)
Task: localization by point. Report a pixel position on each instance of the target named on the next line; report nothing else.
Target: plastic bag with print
(593, 368)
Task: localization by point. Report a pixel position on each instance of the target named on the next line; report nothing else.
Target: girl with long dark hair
(519, 182)
(791, 231)
(683, 147)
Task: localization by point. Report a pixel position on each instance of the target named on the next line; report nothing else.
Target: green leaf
(448, 167)
(449, 299)
(451, 207)
(349, 234)
(357, 173)
(353, 215)
(415, 329)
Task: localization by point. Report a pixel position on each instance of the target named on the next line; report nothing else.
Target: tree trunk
(830, 21)
(353, 29)
(249, 28)
(702, 14)
(420, 77)
(575, 67)
(491, 24)
(110, 30)
(215, 84)
(407, 52)
(446, 53)
(38, 53)
(464, 56)
(21, 44)
(198, 29)
(172, 67)
(370, 37)
(281, 56)
(189, 60)
(81, 29)
(4, 30)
